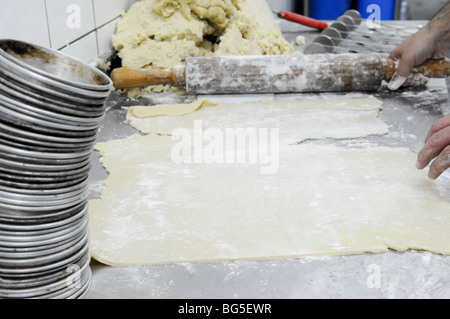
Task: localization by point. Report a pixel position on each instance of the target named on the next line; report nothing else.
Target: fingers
(406, 64)
(440, 165)
(437, 148)
(438, 126)
(417, 79)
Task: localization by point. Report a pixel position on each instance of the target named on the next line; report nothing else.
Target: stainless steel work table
(409, 114)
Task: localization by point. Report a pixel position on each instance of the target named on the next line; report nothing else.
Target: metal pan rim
(63, 190)
(20, 91)
(41, 197)
(20, 219)
(50, 138)
(29, 126)
(107, 86)
(42, 209)
(25, 283)
(13, 112)
(46, 268)
(44, 155)
(45, 290)
(36, 111)
(34, 147)
(43, 259)
(65, 96)
(39, 249)
(48, 239)
(50, 225)
(58, 272)
(48, 82)
(43, 144)
(43, 204)
(44, 168)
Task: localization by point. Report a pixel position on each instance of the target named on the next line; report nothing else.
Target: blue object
(384, 9)
(328, 9)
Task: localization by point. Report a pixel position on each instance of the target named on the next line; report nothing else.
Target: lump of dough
(160, 34)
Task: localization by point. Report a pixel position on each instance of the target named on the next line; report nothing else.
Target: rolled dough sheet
(324, 200)
(297, 120)
(143, 112)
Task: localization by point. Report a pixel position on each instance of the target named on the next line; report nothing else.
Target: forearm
(439, 26)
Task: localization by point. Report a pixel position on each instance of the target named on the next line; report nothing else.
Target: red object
(298, 18)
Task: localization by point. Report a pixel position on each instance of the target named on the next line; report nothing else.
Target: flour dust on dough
(324, 200)
(160, 34)
(297, 120)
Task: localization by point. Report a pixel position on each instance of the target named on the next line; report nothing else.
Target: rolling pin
(275, 74)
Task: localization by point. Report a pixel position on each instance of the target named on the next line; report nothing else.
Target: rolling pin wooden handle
(431, 68)
(125, 78)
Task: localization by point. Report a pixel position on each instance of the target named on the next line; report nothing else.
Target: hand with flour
(431, 42)
(437, 148)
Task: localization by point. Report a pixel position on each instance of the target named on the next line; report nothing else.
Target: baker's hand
(430, 42)
(437, 148)
(411, 53)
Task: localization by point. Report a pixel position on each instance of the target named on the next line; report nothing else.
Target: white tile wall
(24, 20)
(82, 28)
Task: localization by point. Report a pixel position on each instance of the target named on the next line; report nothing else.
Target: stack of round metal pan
(51, 107)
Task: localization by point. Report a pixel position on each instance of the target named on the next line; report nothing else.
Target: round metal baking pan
(38, 144)
(83, 291)
(69, 292)
(46, 192)
(44, 226)
(55, 65)
(46, 269)
(12, 165)
(46, 201)
(7, 116)
(51, 173)
(49, 83)
(41, 186)
(52, 140)
(43, 155)
(38, 179)
(32, 147)
(42, 161)
(36, 241)
(43, 259)
(47, 276)
(28, 252)
(24, 93)
(24, 207)
(41, 205)
(26, 283)
(6, 195)
(49, 290)
(65, 96)
(32, 120)
(14, 218)
(43, 114)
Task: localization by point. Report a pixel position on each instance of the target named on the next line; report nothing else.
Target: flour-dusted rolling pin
(276, 74)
